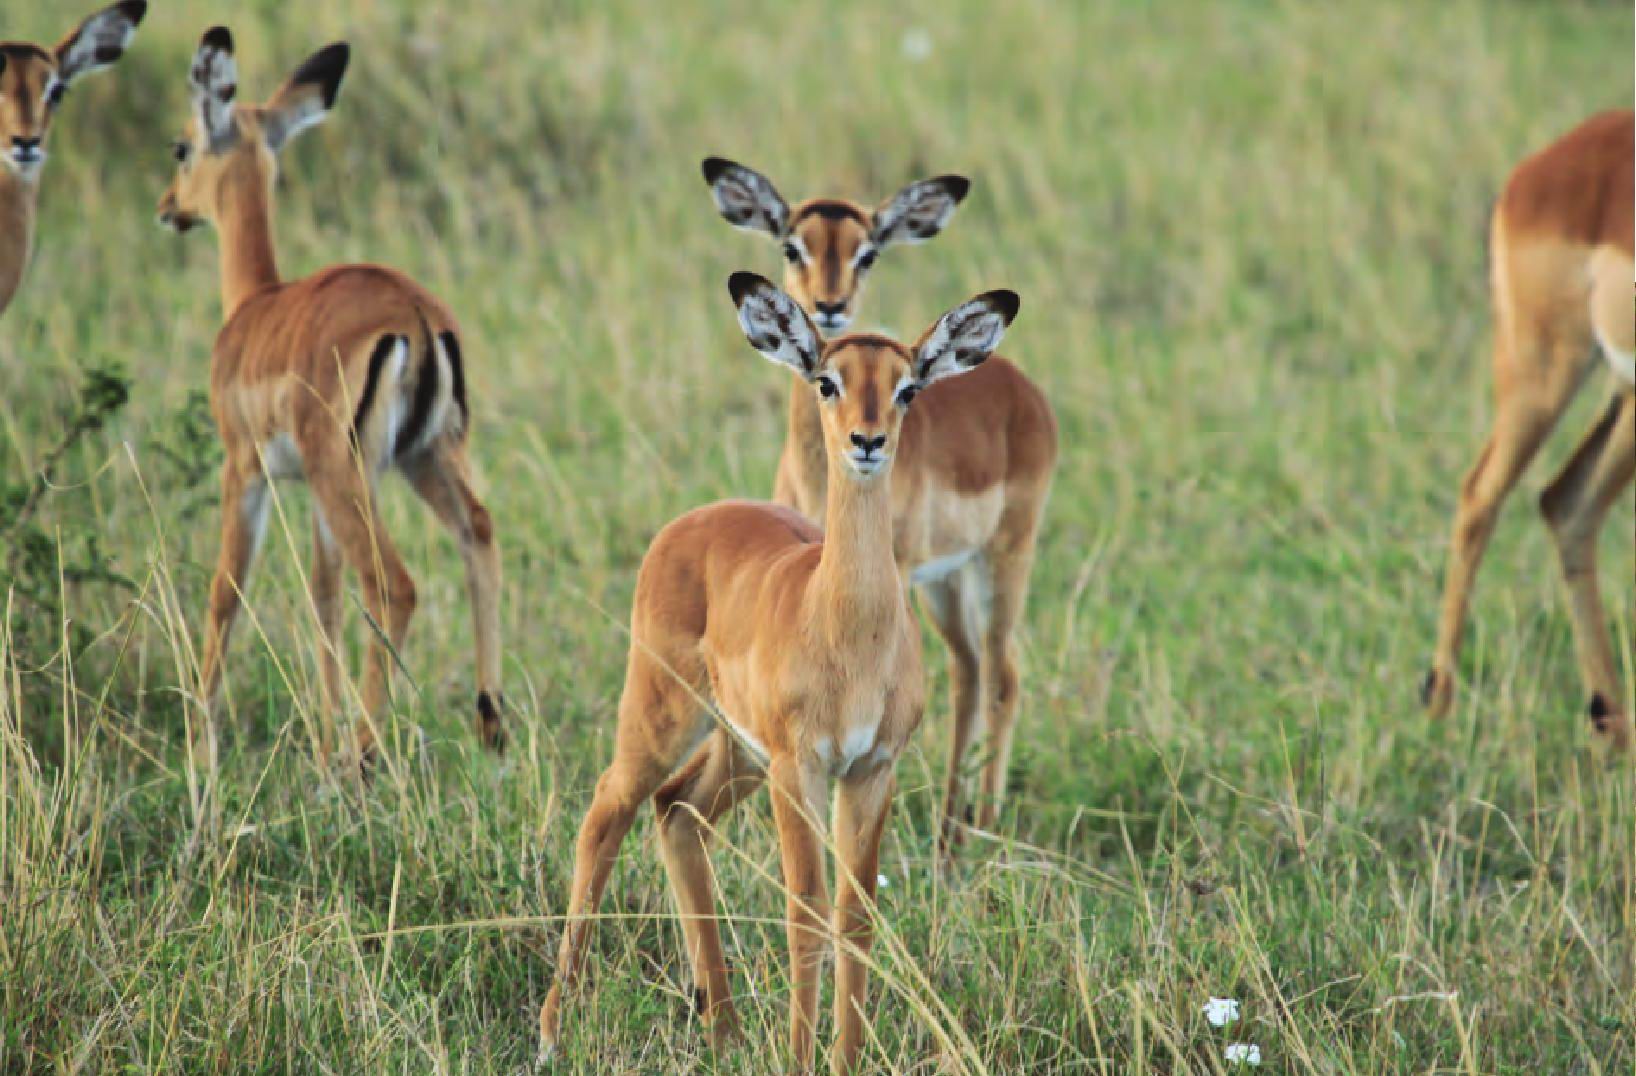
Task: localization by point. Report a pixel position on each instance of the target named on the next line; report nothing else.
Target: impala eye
(906, 395)
(179, 150)
(828, 389)
(54, 96)
(792, 253)
(866, 259)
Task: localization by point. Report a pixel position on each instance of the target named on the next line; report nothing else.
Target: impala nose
(869, 445)
(831, 317)
(25, 149)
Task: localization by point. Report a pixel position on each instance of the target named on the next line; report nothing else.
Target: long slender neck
(18, 198)
(248, 260)
(857, 576)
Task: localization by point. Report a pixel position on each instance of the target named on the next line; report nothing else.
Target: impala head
(35, 80)
(226, 143)
(830, 245)
(865, 383)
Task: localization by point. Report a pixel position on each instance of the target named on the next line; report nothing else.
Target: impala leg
(715, 780)
(1529, 406)
(950, 603)
(1575, 506)
(244, 519)
(797, 799)
(641, 763)
(1010, 561)
(348, 505)
(443, 481)
(325, 587)
(861, 808)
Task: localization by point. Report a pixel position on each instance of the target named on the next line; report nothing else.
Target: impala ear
(99, 40)
(214, 80)
(307, 96)
(964, 337)
(919, 211)
(745, 198)
(775, 324)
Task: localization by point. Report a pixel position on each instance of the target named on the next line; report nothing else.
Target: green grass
(1249, 238)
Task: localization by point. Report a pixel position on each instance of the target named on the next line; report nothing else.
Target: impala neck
(805, 435)
(248, 260)
(857, 574)
(18, 198)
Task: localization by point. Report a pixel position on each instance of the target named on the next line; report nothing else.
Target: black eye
(179, 150)
(906, 395)
(54, 96)
(827, 388)
(866, 259)
(792, 253)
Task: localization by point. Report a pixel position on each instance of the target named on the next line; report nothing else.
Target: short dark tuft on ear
(742, 283)
(218, 37)
(1006, 303)
(714, 167)
(135, 10)
(957, 186)
(326, 68)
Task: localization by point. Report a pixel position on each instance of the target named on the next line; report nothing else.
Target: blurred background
(1249, 237)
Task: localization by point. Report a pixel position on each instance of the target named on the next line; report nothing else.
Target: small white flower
(882, 882)
(917, 45)
(1221, 1011)
(1243, 1053)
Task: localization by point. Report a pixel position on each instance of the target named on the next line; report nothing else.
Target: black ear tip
(135, 10)
(958, 187)
(218, 37)
(714, 167)
(1007, 303)
(742, 283)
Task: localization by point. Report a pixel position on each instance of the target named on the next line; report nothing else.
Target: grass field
(1249, 240)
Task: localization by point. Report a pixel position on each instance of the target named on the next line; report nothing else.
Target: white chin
(833, 325)
(27, 169)
(867, 468)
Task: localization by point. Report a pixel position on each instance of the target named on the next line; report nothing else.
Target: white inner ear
(748, 200)
(778, 329)
(305, 112)
(215, 80)
(109, 30)
(916, 214)
(962, 338)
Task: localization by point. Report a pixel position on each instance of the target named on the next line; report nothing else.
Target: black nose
(831, 310)
(25, 143)
(870, 445)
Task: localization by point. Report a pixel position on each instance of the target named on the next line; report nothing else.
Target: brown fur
(291, 369)
(1561, 239)
(26, 112)
(977, 459)
(799, 637)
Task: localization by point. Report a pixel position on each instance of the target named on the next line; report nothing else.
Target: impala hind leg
(244, 519)
(861, 807)
(714, 781)
(953, 605)
(347, 502)
(443, 480)
(1010, 562)
(325, 588)
(658, 724)
(1575, 506)
(1532, 395)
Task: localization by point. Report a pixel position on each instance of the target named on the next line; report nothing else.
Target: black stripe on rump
(377, 360)
(420, 409)
(457, 370)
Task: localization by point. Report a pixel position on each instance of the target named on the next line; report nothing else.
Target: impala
(764, 648)
(1560, 246)
(33, 84)
(971, 480)
(336, 379)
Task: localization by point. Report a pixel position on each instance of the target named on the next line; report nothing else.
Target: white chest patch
(940, 568)
(281, 459)
(1623, 362)
(857, 747)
